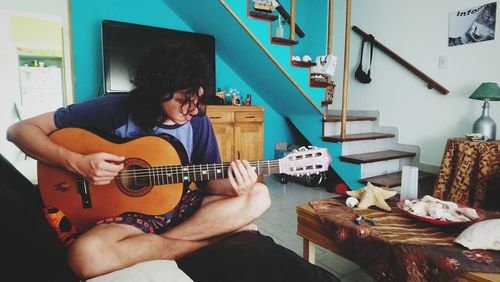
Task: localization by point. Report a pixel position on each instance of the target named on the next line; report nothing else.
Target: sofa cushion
(148, 271)
(31, 250)
(482, 235)
(248, 257)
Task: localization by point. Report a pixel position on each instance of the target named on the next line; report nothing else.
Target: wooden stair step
(319, 84)
(358, 137)
(263, 16)
(301, 64)
(283, 41)
(349, 118)
(326, 103)
(376, 156)
(393, 179)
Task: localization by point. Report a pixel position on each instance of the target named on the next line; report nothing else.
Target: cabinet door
(225, 138)
(249, 140)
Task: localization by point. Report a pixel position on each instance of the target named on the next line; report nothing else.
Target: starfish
(372, 195)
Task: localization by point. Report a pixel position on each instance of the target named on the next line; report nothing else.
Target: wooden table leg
(309, 251)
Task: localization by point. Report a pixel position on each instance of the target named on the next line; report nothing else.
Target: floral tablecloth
(399, 248)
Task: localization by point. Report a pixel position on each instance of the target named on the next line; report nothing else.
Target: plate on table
(434, 221)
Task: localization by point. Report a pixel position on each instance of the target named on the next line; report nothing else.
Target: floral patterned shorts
(190, 202)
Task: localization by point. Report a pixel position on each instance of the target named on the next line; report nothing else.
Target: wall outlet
(443, 62)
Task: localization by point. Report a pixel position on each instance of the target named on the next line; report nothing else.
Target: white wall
(418, 32)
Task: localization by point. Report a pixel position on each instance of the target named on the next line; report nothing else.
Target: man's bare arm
(31, 136)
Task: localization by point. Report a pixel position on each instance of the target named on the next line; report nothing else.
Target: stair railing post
(329, 46)
(346, 69)
(292, 20)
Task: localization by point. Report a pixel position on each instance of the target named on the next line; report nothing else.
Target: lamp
(487, 91)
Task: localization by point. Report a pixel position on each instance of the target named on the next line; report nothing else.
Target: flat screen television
(123, 44)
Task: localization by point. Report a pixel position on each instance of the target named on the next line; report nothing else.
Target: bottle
(280, 29)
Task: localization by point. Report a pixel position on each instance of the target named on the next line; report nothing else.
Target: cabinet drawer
(249, 116)
(219, 117)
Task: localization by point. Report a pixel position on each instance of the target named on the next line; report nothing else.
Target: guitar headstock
(305, 161)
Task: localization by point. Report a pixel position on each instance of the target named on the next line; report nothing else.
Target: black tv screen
(123, 45)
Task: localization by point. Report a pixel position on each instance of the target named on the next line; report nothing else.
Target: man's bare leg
(222, 214)
(109, 247)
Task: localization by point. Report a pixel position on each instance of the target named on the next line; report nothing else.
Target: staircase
(374, 148)
(368, 152)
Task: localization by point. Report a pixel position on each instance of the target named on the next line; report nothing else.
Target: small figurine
(248, 100)
(236, 100)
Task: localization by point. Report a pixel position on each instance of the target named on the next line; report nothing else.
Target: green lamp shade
(487, 90)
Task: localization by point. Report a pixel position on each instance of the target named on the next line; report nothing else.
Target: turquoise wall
(86, 17)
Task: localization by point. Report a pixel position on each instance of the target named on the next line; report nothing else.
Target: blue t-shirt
(112, 115)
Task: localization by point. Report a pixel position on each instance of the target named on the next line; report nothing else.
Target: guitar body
(68, 192)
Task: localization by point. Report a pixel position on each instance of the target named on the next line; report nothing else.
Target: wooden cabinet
(238, 130)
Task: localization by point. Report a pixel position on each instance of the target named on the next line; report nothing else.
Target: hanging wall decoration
(475, 24)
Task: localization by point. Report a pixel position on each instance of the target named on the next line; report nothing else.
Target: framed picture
(472, 25)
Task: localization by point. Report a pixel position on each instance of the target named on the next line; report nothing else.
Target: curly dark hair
(165, 69)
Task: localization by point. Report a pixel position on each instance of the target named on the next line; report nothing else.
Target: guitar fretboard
(176, 174)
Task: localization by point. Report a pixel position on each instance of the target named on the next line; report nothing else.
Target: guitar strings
(180, 170)
(202, 166)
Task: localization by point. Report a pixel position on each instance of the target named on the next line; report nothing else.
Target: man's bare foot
(249, 227)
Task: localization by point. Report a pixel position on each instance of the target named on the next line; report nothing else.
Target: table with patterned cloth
(465, 170)
(398, 248)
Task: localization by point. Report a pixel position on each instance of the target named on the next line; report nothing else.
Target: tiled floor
(280, 222)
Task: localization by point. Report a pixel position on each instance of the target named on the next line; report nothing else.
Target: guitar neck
(176, 174)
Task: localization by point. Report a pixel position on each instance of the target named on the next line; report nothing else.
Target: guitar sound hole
(135, 180)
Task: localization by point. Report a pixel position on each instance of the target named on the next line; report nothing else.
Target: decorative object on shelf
(248, 100)
(487, 91)
(280, 30)
(330, 90)
(324, 70)
(221, 94)
(219, 98)
(236, 100)
(372, 195)
(306, 58)
(265, 5)
(296, 59)
(229, 95)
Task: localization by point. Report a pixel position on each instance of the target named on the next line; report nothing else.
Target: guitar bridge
(84, 191)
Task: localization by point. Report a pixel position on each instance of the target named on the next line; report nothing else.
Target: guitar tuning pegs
(311, 147)
(302, 149)
(294, 151)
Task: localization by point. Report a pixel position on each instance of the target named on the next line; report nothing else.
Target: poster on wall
(475, 24)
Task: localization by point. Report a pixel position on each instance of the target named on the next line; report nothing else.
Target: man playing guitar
(168, 99)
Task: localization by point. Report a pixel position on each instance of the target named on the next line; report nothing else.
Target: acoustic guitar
(152, 181)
